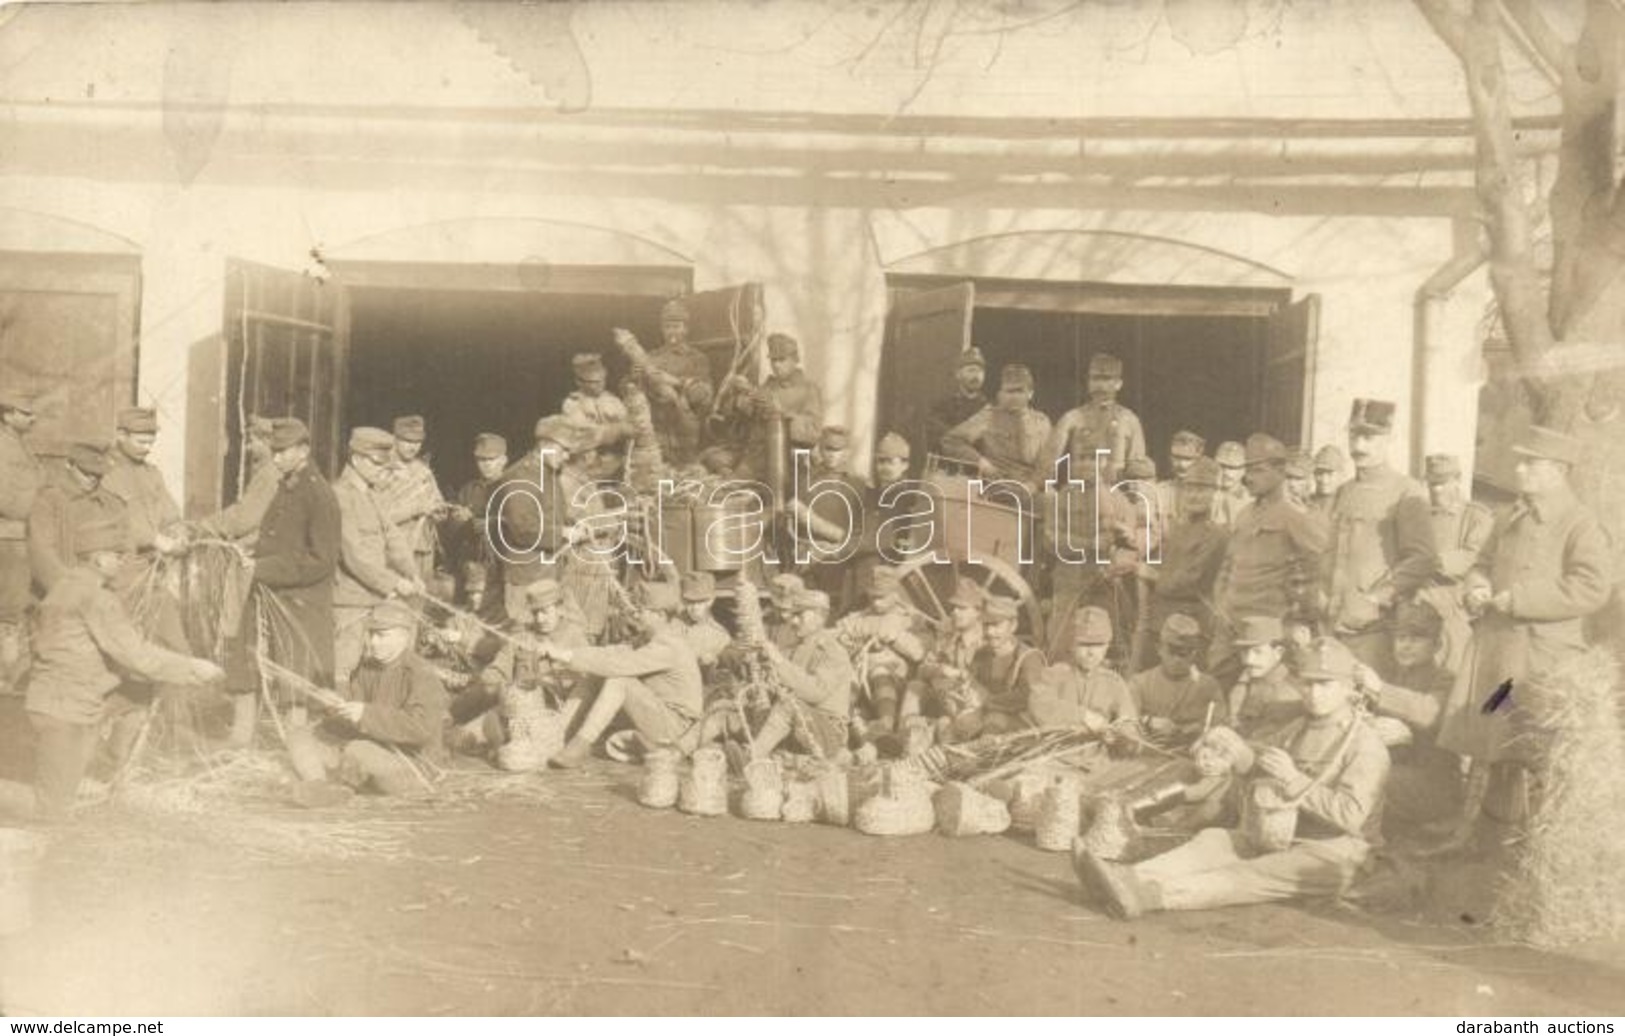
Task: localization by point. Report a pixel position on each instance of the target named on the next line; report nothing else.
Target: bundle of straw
(991, 758)
(1567, 881)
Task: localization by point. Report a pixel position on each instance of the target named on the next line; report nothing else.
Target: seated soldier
(518, 668)
(886, 641)
(1329, 768)
(782, 592)
(1266, 698)
(655, 680)
(1176, 701)
(818, 675)
(395, 710)
(705, 634)
(942, 686)
(1425, 785)
(1003, 673)
(83, 643)
(1082, 692)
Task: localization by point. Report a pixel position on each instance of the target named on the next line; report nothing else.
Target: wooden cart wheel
(929, 585)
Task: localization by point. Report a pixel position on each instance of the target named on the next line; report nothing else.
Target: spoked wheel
(929, 586)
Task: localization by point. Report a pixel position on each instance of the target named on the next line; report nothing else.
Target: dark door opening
(478, 361)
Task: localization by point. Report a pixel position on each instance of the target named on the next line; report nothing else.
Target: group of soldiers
(1276, 616)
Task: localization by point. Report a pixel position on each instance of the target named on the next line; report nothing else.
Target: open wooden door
(925, 332)
(723, 323)
(68, 327)
(282, 352)
(1284, 396)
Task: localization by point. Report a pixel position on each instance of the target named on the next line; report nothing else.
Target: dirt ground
(574, 899)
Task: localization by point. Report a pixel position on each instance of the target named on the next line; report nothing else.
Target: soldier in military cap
(85, 645)
(1300, 478)
(1006, 439)
(394, 711)
(1184, 450)
(1004, 671)
(1329, 465)
(967, 399)
(411, 496)
(154, 516)
(1329, 767)
(72, 496)
(654, 681)
(241, 519)
(1460, 526)
(705, 633)
(943, 686)
(594, 407)
(1175, 700)
(20, 479)
(1100, 423)
(674, 376)
(295, 557)
(1409, 699)
(1232, 496)
(829, 512)
(1543, 570)
(817, 672)
(470, 528)
(1381, 548)
(1271, 559)
(518, 667)
(782, 589)
(787, 394)
(376, 560)
(886, 640)
(533, 518)
(1192, 552)
(1082, 692)
(1265, 696)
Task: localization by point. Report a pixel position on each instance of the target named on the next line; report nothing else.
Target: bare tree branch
(1448, 21)
(1551, 48)
(1583, 205)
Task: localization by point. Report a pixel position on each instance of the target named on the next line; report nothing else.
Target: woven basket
(962, 810)
(903, 806)
(835, 796)
(800, 801)
(535, 732)
(658, 789)
(1111, 828)
(1059, 815)
(763, 798)
(919, 734)
(704, 792)
(1269, 819)
(1022, 794)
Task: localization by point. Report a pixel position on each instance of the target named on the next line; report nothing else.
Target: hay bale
(1567, 880)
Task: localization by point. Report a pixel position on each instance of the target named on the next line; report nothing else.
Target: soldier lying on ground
(83, 639)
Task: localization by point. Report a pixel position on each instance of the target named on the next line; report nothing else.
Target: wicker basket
(658, 789)
(835, 796)
(903, 806)
(800, 801)
(1110, 829)
(1269, 817)
(704, 792)
(1022, 794)
(962, 810)
(1059, 815)
(763, 798)
(535, 732)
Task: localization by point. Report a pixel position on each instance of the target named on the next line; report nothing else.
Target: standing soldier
(85, 645)
(831, 526)
(966, 400)
(674, 376)
(1329, 465)
(1232, 496)
(470, 528)
(72, 496)
(1271, 558)
(411, 497)
(1192, 551)
(531, 513)
(1300, 479)
(594, 407)
(1544, 569)
(292, 593)
(132, 478)
(1460, 526)
(376, 562)
(1005, 440)
(19, 483)
(1381, 548)
(1185, 450)
(1100, 423)
(786, 394)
